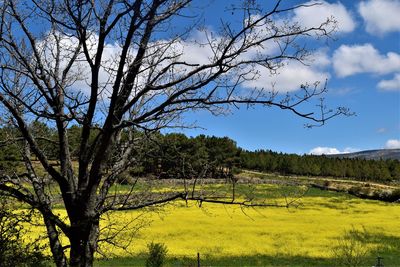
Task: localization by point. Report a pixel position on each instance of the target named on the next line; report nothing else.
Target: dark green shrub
(157, 254)
(396, 194)
(125, 179)
(385, 195)
(355, 190)
(236, 170)
(137, 171)
(13, 251)
(327, 183)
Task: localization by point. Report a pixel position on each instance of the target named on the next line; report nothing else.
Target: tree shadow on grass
(254, 260)
(362, 248)
(385, 246)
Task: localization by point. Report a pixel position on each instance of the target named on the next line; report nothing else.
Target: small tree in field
(352, 248)
(118, 70)
(157, 253)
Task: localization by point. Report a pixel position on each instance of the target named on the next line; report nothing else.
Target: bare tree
(113, 65)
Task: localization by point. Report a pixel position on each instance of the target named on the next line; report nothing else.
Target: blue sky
(363, 70)
(361, 64)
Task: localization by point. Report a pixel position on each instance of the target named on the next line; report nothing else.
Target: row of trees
(171, 155)
(175, 155)
(361, 169)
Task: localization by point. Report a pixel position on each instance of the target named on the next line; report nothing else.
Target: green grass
(255, 260)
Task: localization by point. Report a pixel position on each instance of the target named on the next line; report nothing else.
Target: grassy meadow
(229, 236)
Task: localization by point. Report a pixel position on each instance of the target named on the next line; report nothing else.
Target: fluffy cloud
(194, 51)
(324, 151)
(380, 16)
(292, 75)
(79, 77)
(317, 14)
(330, 150)
(392, 143)
(390, 85)
(349, 60)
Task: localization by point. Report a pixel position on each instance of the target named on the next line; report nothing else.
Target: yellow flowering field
(311, 230)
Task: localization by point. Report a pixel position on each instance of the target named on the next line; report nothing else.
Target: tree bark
(56, 248)
(83, 239)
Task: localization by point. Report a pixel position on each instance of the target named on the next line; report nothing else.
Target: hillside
(372, 154)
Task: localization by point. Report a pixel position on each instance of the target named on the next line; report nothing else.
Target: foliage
(13, 251)
(178, 156)
(352, 248)
(157, 254)
(175, 155)
(360, 169)
(396, 195)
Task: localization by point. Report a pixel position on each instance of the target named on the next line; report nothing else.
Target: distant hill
(371, 154)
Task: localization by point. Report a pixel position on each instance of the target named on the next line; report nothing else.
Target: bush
(396, 195)
(13, 251)
(157, 254)
(137, 171)
(327, 183)
(351, 249)
(360, 191)
(125, 179)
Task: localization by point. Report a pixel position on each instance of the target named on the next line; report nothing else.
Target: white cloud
(331, 150)
(79, 77)
(349, 60)
(381, 130)
(320, 58)
(390, 85)
(194, 51)
(289, 76)
(292, 75)
(324, 151)
(392, 144)
(380, 16)
(317, 14)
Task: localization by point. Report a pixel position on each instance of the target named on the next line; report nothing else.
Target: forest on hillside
(174, 155)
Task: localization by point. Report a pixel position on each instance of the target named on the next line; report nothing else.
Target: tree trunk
(56, 248)
(83, 241)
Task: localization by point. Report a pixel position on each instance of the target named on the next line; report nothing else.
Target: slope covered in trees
(175, 155)
(360, 169)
